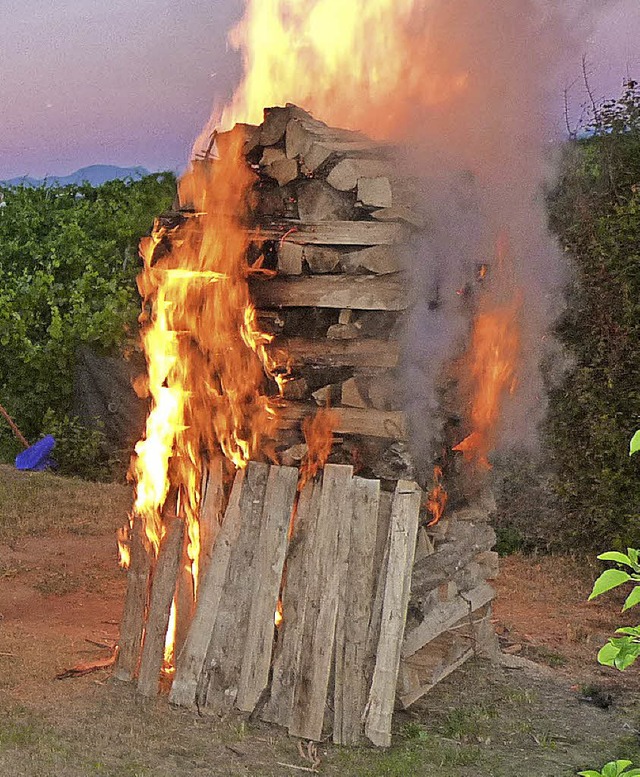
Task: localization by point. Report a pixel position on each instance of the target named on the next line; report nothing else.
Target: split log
(290, 257)
(305, 137)
(191, 659)
(302, 548)
(355, 292)
(399, 213)
(351, 420)
(317, 201)
(337, 353)
(402, 542)
(344, 176)
(267, 575)
(282, 170)
(375, 192)
(211, 514)
(218, 690)
(184, 599)
(380, 260)
(135, 604)
(444, 616)
(329, 559)
(354, 615)
(339, 233)
(321, 259)
(162, 593)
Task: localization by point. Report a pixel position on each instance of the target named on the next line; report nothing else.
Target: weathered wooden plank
(390, 424)
(402, 542)
(217, 693)
(132, 626)
(444, 616)
(267, 576)
(359, 233)
(294, 600)
(190, 661)
(338, 353)
(184, 599)
(344, 176)
(350, 292)
(162, 593)
(354, 614)
(331, 551)
(211, 514)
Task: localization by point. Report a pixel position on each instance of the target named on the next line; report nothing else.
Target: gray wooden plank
(356, 601)
(219, 682)
(331, 551)
(294, 599)
(402, 542)
(267, 577)
(190, 661)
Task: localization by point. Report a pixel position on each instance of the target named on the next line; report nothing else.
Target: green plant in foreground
(613, 769)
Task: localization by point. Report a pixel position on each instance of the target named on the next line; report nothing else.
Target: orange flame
(494, 353)
(318, 434)
(124, 547)
(277, 616)
(437, 497)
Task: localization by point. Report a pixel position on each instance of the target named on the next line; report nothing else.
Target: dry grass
(38, 503)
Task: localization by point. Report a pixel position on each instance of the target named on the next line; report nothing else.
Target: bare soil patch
(61, 592)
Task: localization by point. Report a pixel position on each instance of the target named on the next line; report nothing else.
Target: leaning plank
(354, 615)
(267, 575)
(345, 292)
(219, 687)
(391, 424)
(191, 659)
(135, 604)
(445, 615)
(332, 547)
(402, 542)
(162, 593)
(359, 233)
(211, 514)
(184, 600)
(294, 599)
(338, 353)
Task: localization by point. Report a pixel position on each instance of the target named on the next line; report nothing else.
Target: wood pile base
(363, 626)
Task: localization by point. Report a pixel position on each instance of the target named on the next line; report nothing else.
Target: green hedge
(596, 409)
(68, 261)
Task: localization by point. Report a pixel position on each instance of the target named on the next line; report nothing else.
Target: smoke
(486, 158)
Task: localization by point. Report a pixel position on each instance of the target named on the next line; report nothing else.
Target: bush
(68, 261)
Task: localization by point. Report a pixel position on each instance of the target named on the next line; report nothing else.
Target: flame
(437, 497)
(168, 662)
(362, 64)
(277, 616)
(318, 434)
(493, 355)
(124, 548)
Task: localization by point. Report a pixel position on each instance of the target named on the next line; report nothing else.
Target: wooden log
(305, 137)
(399, 213)
(403, 532)
(375, 192)
(331, 552)
(282, 170)
(355, 292)
(162, 593)
(444, 616)
(184, 599)
(190, 661)
(317, 201)
(218, 690)
(290, 257)
(351, 420)
(322, 259)
(380, 260)
(354, 616)
(274, 125)
(344, 176)
(132, 626)
(340, 233)
(294, 602)
(338, 353)
(267, 576)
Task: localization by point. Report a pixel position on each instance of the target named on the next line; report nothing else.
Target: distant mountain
(94, 175)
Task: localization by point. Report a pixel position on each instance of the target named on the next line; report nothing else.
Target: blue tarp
(37, 456)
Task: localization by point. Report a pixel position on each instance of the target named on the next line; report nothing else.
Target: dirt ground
(61, 596)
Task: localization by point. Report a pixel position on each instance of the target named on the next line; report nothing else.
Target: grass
(37, 503)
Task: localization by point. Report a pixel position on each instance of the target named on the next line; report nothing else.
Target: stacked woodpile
(335, 221)
(378, 602)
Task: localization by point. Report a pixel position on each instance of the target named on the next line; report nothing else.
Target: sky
(132, 82)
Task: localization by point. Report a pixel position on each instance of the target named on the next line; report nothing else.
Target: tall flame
(493, 360)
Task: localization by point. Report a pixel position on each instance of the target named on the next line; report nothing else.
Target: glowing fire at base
(437, 498)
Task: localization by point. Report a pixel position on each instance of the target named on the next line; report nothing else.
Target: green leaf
(634, 445)
(633, 599)
(607, 654)
(614, 555)
(589, 773)
(614, 768)
(612, 578)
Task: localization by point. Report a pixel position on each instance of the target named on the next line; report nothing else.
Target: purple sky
(132, 82)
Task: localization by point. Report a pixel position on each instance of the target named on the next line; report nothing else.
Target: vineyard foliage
(68, 262)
